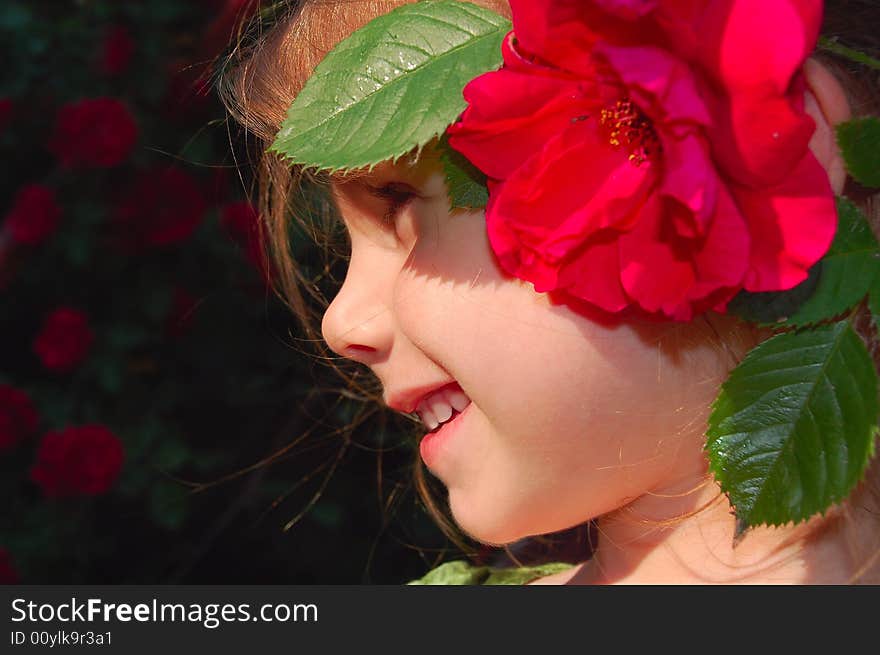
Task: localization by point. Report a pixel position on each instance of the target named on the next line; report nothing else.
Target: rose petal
(578, 184)
(512, 115)
(563, 32)
(593, 273)
(722, 260)
(792, 226)
(758, 45)
(516, 258)
(690, 178)
(757, 141)
(661, 85)
(664, 273)
(627, 9)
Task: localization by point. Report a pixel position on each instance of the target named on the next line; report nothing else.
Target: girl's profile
(563, 346)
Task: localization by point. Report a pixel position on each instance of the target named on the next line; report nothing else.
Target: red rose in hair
(6, 108)
(8, 574)
(96, 132)
(163, 206)
(116, 51)
(65, 340)
(18, 417)
(34, 215)
(652, 153)
(78, 461)
(241, 221)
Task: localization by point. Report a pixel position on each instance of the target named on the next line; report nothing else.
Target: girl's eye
(397, 195)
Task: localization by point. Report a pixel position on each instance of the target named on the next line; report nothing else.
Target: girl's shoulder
(461, 572)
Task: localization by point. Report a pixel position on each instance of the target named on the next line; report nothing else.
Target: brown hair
(258, 81)
(266, 70)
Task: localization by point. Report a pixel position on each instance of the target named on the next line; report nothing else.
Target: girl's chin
(492, 523)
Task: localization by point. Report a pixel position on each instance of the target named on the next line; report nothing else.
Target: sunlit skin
(575, 415)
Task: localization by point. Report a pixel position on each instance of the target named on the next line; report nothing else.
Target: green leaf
(793, 427)
(460, 572)
(848, 269)
(774, 307)
(859, 141)
(465, 182)
(392, 86)
(874, 302)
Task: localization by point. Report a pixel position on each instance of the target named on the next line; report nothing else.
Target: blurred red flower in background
(163, 206)
(6, 109)
(18, 417)
(95, 132)
(34, 215)
(116, 51)
(241, 222)
(8, 574)
(65, 340)
(78, 461)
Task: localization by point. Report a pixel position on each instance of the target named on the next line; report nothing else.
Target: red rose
(6, 108)
(95, 132)
(78, 461)
(8, 574)
(163, 206)
(34, 215)
(242, 223)
(18, 417)
(116, 51)
(652, 154)
(65, 340)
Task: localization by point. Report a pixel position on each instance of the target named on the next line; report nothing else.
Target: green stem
(833, 46)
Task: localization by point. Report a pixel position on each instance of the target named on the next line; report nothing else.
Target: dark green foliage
(859, 141)
(465, 183)
(793, 428)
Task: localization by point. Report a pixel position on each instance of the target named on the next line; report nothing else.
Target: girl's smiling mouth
(439, 406)
(432, 443)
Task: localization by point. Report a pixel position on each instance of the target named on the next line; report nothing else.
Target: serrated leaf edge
(742, 524)
(275, 148)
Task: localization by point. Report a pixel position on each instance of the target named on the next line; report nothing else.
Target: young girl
(554, 411)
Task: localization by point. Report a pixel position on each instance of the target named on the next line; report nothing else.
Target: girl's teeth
(440, 408)
(428, 418)
(457, 399)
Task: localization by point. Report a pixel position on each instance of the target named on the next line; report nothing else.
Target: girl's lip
(431, 445)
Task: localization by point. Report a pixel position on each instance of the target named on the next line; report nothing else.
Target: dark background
(169, 339)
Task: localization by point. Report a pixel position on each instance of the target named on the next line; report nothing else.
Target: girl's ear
(827, 104)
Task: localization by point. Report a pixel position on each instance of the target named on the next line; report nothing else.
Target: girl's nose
(358, 324)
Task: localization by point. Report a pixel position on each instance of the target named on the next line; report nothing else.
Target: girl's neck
(683, 534)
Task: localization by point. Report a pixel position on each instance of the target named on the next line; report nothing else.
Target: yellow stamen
(628, 127)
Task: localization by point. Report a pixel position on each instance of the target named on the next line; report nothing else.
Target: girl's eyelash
(397, 195)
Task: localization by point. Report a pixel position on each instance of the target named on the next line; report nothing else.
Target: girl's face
(572, 415)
